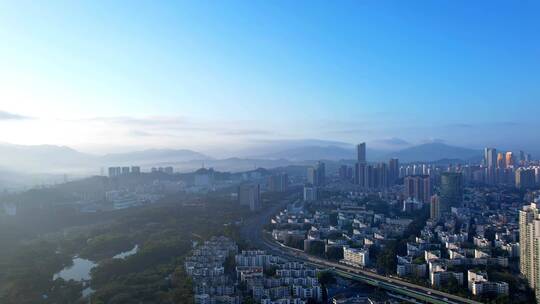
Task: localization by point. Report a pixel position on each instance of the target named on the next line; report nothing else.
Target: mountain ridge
(430, 152)
(51, 158)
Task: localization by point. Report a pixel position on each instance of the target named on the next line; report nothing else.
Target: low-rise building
(355, 257)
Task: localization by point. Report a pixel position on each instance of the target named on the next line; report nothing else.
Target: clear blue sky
(111, 74)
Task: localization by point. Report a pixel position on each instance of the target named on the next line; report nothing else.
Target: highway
(253, 231)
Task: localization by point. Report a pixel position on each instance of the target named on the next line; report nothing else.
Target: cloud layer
(11, 116)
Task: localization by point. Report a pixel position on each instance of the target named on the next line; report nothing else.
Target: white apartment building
(478, 284)
(355, 257)
(529, 241)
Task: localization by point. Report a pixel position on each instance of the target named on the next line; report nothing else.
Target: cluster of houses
(342, 231)
(264, 278)
(206, 267)
(271, 280)
(457, 248)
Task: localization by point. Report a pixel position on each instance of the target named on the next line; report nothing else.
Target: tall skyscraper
(501, 164)
(250, 195)
(381, 176)
(435, 207)
(451, 191)
(529, 246)
(522, 156)
(360, 174)
(369, 177)
(417, 187)
(361, 153)
(490, 157)
(360, 166)
(321, 172)
(278, 182)
(312, 176)
(317, 175)
(525, 178)
(393, 171)
(509, 159)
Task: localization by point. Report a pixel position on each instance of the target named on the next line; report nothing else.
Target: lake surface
(125, 254)
(79, 271)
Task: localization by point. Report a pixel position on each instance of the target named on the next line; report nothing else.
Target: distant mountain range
(153, 156)
(43, 158)
(435, 151)
(429, 152)
(61, 159)
(311, 153)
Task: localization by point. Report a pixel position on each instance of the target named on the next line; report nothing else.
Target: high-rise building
(250, 195)
(522, 156)
(310, 193)
(490, 157)
(360, 166)
(381, 176)
(317, 175)
(361, 153)
(115, 171)
(501, 164)
(451, 191)
(278, 182)
(529, 246)
(417, 187)
(525, 178)
(369, 180)
(359, 174)
(393, 171)
(125, 170)
(435, 207)
(509, 159)
(321, 172)
(136, 170)
(312, 176)
(490, 160)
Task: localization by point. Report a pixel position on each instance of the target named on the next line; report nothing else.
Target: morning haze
(269, 152)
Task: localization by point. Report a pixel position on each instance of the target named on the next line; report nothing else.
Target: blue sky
(112, 75)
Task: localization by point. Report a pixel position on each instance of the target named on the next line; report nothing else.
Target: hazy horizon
(114, 77)
(180, 152)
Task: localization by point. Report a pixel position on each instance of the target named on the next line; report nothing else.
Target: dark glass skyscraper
(361, 153)
(451, 190)
(359, 167)
(393, 171)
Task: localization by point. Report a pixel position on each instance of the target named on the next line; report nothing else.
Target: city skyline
(107, 77)
(269, 152)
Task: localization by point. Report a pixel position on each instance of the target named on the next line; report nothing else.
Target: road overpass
(253, 231)
(391, 284)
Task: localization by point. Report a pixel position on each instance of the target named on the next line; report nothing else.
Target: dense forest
(154, 274)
